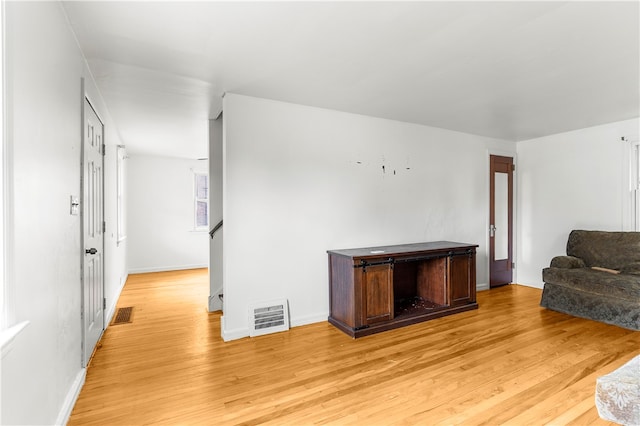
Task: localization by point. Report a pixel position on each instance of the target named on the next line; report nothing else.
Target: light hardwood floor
(509, 362)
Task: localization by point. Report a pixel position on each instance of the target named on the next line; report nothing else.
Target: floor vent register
(123, 316)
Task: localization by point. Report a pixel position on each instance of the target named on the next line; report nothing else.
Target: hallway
(143, 371)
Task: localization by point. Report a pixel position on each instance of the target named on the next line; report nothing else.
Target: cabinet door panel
(378, 293)
(341, 291)
(460, 279)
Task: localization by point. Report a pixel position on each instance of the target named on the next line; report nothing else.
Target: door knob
(492, 231)
(91, 251)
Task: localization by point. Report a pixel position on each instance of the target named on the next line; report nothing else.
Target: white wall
(573, 180)
(160, 215)
(215, 214)
(42, 373)
(300, 180)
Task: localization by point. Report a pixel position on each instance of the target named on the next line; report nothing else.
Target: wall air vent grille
(268, 317)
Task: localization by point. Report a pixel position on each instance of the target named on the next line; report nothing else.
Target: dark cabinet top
(403, 249)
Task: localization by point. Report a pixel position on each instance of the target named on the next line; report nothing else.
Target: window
(121, 155)
(201, 201)
(631, 206)
(8, 328)
(3, 319)
(635, 183)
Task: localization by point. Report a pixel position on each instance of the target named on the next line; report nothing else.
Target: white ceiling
(509, 70)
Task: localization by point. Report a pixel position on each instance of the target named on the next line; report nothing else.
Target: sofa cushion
(611, 250)
(622, 286)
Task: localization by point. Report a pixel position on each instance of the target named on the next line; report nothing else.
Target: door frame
(85, 353)
(514, 235)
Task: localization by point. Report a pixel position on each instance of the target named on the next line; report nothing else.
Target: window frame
(631, 184)
(197, 200)
(634, 181)
(3, 169)
(121, 155)
(9, 329)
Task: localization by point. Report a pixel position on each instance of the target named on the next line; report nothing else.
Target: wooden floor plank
(508, 362)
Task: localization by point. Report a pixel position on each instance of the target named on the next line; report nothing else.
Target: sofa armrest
(567, 262)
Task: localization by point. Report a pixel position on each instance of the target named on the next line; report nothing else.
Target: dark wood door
(501, 218)
(377, 286)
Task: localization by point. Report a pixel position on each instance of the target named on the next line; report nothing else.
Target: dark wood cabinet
(375, 289)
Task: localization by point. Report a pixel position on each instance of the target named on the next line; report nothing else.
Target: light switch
(75, 205)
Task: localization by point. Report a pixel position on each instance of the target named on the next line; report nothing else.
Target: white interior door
(93, 235)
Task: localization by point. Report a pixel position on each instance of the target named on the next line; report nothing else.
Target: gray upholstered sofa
(598, 279)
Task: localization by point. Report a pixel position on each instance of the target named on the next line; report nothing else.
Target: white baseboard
(309, 319)
(539, 284)
(166, 268)
(71, 398)
(112, 305)
(482, 286)
(240, 333)
(229, 335)
(485, 286)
